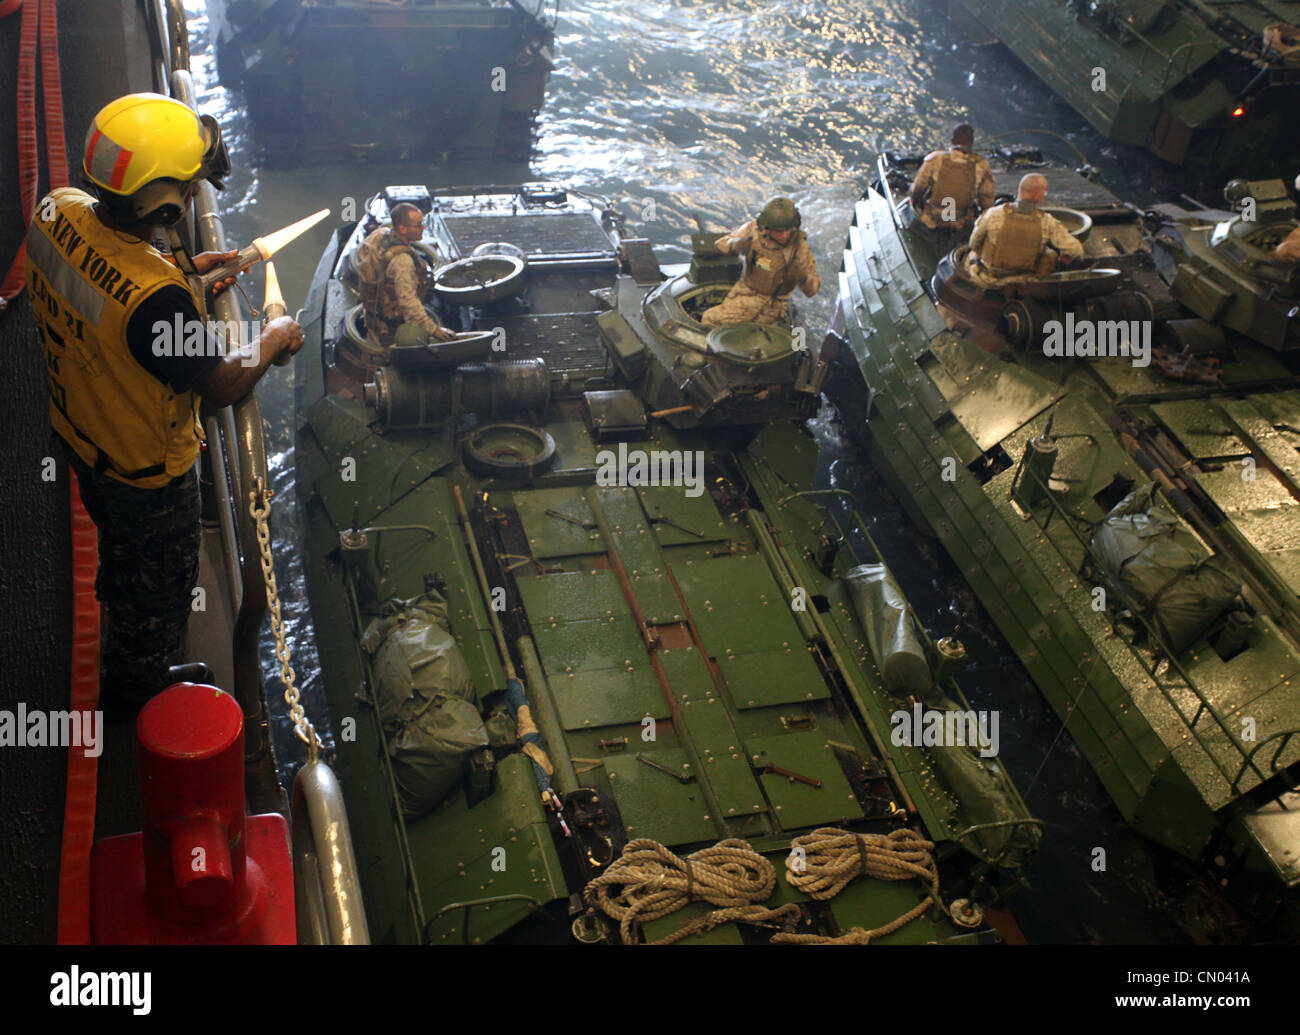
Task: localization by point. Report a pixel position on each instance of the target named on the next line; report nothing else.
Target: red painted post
(200, 871)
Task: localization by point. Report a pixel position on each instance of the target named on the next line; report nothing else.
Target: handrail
(225, 506)
(470, 904)
(1286, 736)
(328, 888)
(248, 451)
(329, 903)
(994, 825)
(1206, 705)
(178, 33)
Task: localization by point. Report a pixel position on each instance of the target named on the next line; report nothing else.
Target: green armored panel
(639, 550)
(798, 804)
(723, 934)
(699, 514)
(1277, 832)
(870, 903)
(574, 450)
(596, 643)
(572, 596)
(722, 758)
(687, 674)
(1263, 511)
(367, 469)
(654, 804)
(737, 605)
(624, 346)
(771, 677)
(607, 697)
(452, 853)
(1201, 429)
(552, 536)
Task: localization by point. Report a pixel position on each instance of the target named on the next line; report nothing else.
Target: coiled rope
(822, 864)
(648, 882)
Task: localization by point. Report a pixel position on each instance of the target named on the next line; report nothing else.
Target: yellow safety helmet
(144, 149)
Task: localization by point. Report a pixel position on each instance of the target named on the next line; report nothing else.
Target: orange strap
(83, 769)
(28, 171)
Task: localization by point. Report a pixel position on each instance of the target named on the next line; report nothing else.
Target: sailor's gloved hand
(442, 334)
(283, 334)
(205, 261)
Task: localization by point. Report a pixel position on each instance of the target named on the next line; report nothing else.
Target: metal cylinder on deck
(1040, 459)
(504, 389)
(191, 754)
(1022, 322)
(410, 399)
(1125, 306)
(952, 658)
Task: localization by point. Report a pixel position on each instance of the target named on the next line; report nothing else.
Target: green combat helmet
(779, 214)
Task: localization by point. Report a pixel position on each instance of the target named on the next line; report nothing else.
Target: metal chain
(259, 506)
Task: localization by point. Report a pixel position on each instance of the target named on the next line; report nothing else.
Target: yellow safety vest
(86, 281)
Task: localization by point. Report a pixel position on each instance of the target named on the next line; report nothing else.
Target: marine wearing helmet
(777, 260)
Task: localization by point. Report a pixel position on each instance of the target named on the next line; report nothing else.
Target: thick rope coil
(821, 865)
(648, 881)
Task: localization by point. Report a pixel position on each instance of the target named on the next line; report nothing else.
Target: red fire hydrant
(200, 872)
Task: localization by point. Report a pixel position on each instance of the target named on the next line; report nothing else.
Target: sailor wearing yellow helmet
(125, 409)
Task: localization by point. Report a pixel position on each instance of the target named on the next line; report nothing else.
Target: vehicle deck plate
(655, 805)
(798, 804)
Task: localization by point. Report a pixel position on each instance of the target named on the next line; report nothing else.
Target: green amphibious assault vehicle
(1210, 84)
(373, 79)
(582, 612)
(1111, 456)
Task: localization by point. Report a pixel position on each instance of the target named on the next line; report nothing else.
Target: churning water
(699, 106)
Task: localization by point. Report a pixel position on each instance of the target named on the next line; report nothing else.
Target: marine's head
(1033, 187)
(146, 155)
(780, 219)
(963, 136)
(408, 222)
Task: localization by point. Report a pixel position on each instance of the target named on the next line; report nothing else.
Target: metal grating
(567, 341)
(537, 235)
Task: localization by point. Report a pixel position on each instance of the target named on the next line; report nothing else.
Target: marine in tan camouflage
(948, 188)
(1019, 240)
(393, 279)
(777, 260)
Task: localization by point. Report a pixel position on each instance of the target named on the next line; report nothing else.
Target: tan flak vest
(1018, 244)
(376, 290)
(769, 268)
(86, 281)
(954, 178)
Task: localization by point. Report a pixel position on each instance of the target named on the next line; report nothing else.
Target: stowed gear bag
(1162, 570)
(426, 700)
